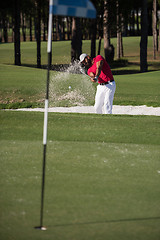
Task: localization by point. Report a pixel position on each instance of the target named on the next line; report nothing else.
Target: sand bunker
(129, 110)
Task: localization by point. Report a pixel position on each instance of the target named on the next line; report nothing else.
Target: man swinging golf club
(99, 71)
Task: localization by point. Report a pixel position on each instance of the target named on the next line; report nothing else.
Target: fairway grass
(21, 86)
(25, 87)
(138, 89)
(102, 177)
(61, 53)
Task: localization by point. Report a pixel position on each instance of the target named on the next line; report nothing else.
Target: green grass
(138, 89)
(102, 177)
(25, 87)
(21, 87)
(61, 53)
(102, 174)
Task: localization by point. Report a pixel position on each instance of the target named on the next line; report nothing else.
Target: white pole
(45, 123)
(50, 27)
(49, 51)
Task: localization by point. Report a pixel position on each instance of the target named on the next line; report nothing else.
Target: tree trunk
(38, 33)
(99, 45)
(60, 27)
(137, 21)
(23, 23)
(4, 24)
(30, 27)
(159, 37)
(44, 25)
(63, 30)
(73, 43)
(57, 28)
(106, 29)
(150, 25)
(44, 32)
(93, 37)
(118, 31)
(108, 48)
(35, 27)
(100, 32)
(0, 31)
(12, 28)
(68, 28)
(17, 51)
(76, 43)
(144, 38)
(154, 15)
(53, 28)
(86, 32)
(133, 23)
(121, 45)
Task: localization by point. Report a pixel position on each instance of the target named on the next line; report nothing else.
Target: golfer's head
(85, 60)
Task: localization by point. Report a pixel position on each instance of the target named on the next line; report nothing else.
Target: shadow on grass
(124, 72)
(16, 105)
(119, 67)
(56, 67)
(107, 221)
(63, 67)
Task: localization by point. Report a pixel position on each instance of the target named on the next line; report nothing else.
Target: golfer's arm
(99, 67)
(92, 76)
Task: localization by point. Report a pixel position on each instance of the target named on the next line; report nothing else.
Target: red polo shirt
(106, 74)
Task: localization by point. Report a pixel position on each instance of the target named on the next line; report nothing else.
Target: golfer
(99, 71)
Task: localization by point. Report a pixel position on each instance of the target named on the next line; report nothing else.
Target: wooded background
(27, 20)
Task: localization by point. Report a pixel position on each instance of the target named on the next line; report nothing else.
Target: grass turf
(102, 176)
(138, 89)
(61, 53)
(25, 87)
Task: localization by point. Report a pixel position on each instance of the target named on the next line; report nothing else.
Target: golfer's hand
(92, 76)
(96, 79)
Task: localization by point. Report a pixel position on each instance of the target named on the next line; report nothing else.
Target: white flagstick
(45, 123)
(62, 10)
(49, 46)
(49, 51)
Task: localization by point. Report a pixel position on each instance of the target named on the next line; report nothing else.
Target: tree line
(27, 20)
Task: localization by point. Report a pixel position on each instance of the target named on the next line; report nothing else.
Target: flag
(73, 8)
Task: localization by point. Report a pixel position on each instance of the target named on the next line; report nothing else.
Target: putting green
(102, 177)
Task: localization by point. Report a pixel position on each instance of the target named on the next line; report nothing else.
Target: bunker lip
(117, 109)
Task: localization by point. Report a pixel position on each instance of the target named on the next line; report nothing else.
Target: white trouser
(104, 98)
